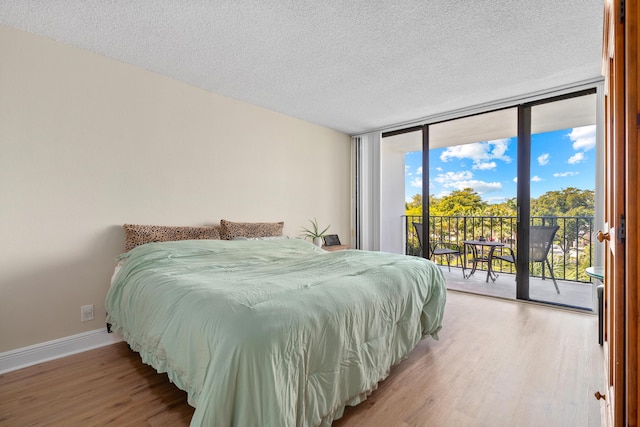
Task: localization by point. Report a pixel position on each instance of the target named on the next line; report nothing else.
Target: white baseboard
(32, 355)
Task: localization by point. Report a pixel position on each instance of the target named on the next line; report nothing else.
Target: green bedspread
(273, 332)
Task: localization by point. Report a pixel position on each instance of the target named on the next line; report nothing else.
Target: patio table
(477, 249)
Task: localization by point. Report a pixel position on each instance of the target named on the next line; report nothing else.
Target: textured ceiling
(348, 65)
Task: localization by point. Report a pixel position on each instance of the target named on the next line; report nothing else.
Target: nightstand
(336, 248)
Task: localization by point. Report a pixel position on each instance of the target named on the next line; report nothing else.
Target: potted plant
(314, 233)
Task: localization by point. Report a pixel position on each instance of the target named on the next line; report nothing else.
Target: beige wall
(88, 143)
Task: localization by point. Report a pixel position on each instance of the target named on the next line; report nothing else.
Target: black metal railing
(570, 255)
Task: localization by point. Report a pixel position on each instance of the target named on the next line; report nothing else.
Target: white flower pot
(317, 241)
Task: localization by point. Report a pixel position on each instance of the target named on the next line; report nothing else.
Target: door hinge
(621, 230)
(622, 10)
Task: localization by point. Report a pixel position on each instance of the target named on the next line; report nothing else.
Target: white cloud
(416, 182)
(543, 159)
(576, 158)
(479, 152)
(564, 174)
(584, 138)
(442, 194)
(484, 166)
(464, 179)
(439, 169)
(500, 146)
(407, 171)
(480, 187)
(534, 178)
(448, 177)
(496, 199)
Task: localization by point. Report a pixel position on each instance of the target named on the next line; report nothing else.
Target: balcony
(571, 253)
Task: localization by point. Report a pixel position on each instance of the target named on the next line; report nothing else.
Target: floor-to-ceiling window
(475, 182)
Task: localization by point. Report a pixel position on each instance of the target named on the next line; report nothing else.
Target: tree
(569, 209)
(414, 207)
(570, 201)
(464, 202)
(500, 209)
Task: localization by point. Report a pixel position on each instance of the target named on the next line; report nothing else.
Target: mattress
(273, 333)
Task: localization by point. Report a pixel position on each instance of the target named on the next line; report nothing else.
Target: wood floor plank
(496, 363)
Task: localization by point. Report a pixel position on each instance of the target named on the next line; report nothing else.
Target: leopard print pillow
(136, 235)
(232, 230)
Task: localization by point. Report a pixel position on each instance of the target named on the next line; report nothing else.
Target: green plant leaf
(314, 231)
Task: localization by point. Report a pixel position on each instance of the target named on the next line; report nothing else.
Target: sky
(559, 159)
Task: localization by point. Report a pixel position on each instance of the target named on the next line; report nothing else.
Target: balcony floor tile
(572, 294)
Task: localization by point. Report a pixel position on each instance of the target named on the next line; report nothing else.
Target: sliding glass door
(561, 186)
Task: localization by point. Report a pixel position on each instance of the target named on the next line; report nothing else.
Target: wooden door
(620, 53)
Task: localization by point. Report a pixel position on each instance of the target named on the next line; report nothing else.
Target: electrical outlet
(86, 313)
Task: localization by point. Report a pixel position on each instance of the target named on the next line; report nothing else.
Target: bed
(272, 332)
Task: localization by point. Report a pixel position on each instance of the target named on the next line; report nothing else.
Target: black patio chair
(540, 242)
(440, 248)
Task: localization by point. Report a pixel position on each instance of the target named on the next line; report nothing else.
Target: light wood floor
(497, 363)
